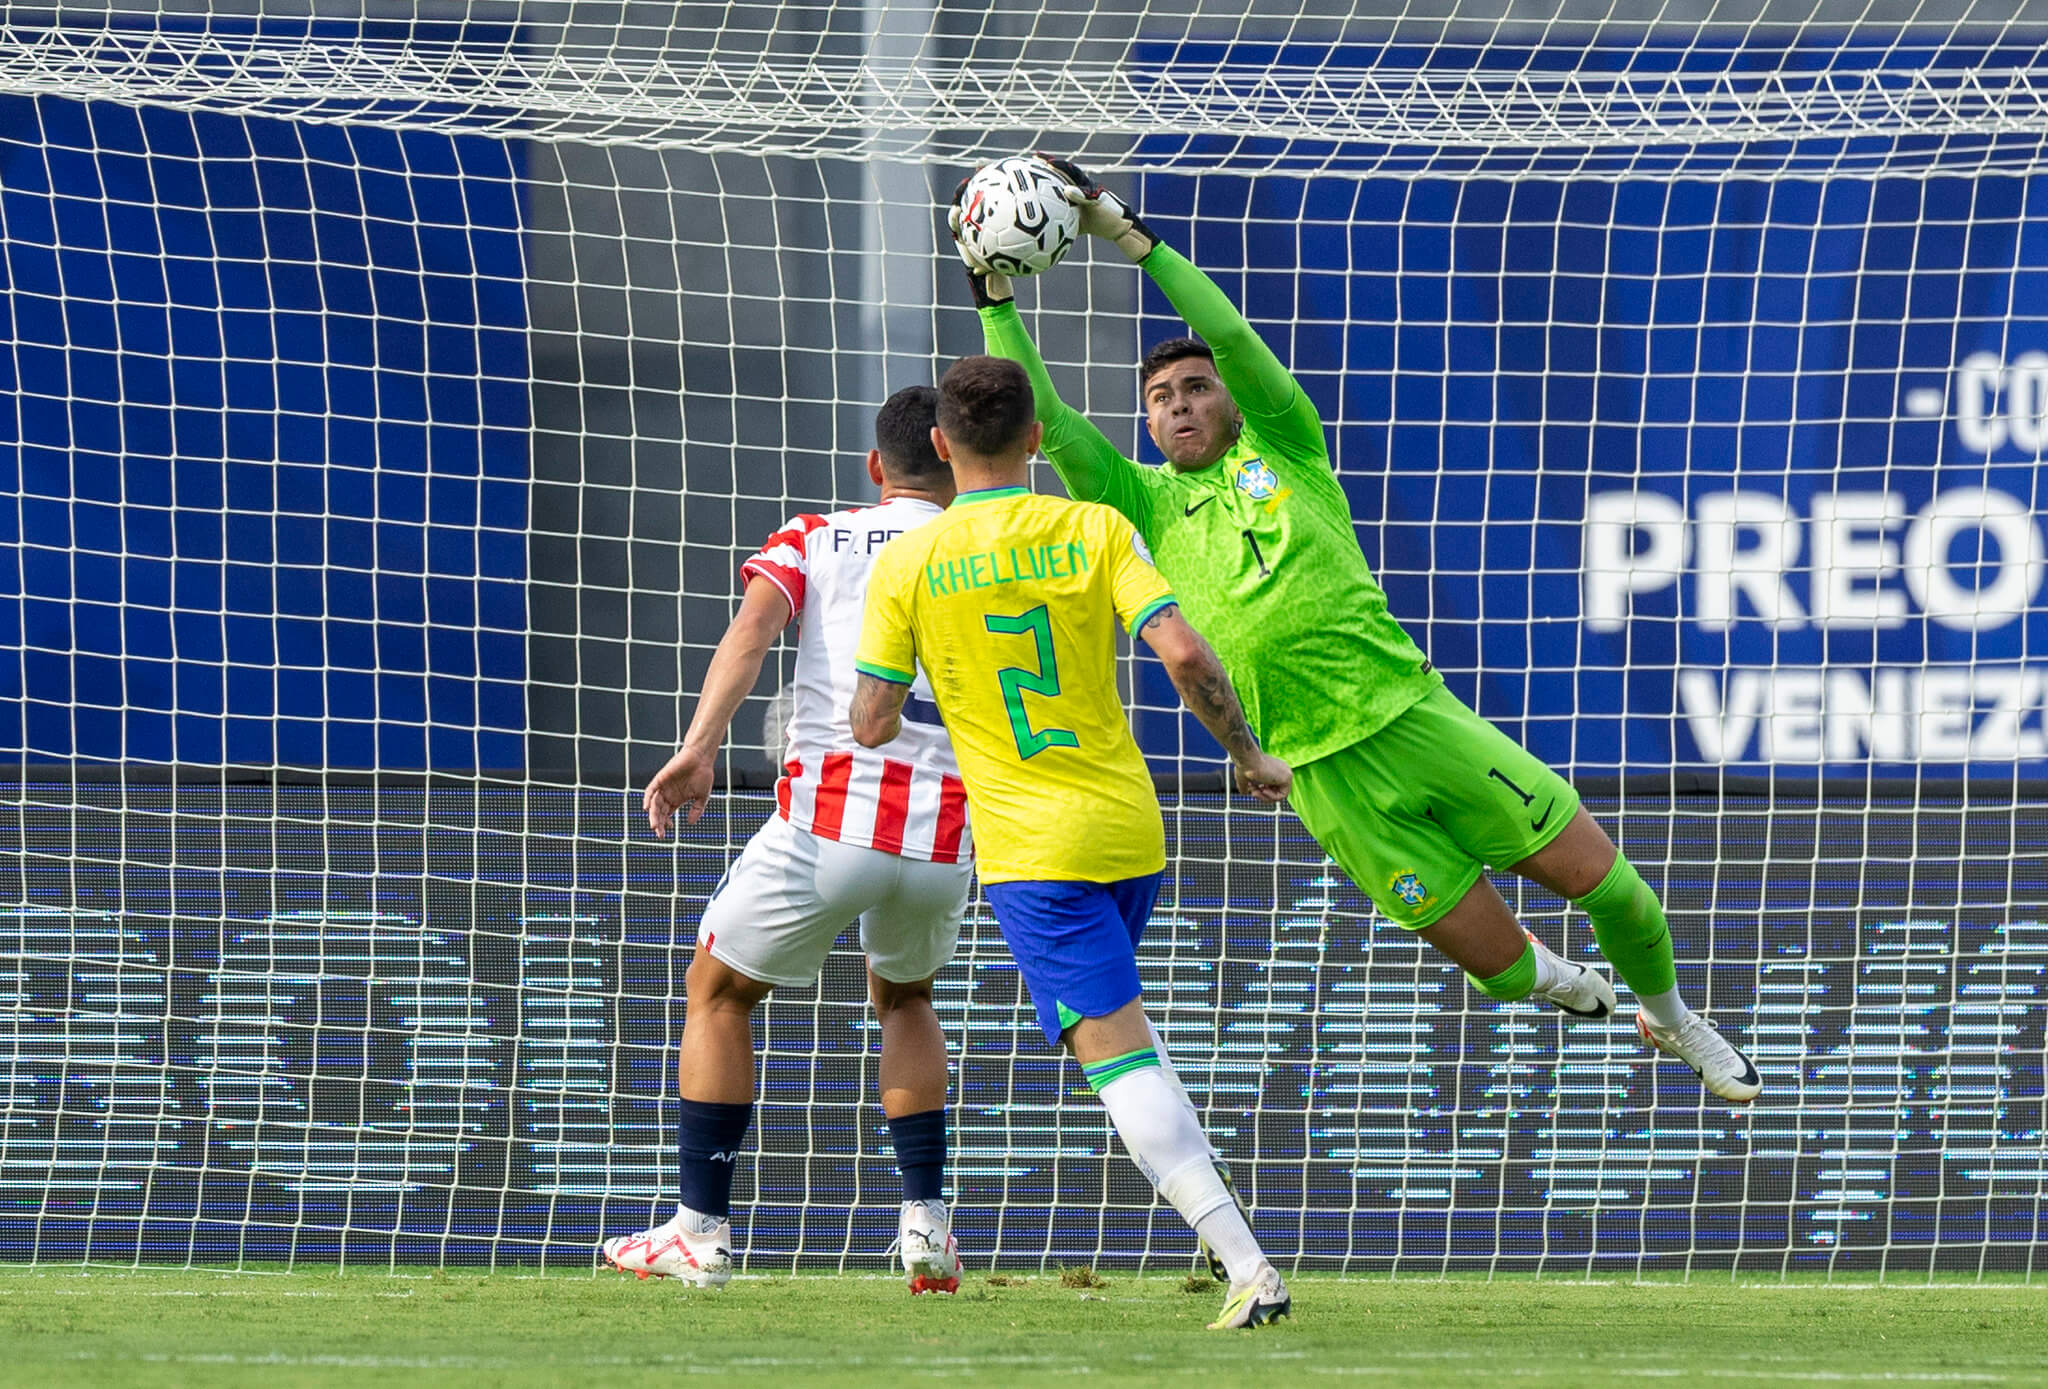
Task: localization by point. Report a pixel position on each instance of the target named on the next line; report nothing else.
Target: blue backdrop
(1662, 473)
(266, 415)
(1702, 474)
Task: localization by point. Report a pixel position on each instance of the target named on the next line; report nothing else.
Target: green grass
(126, 1328)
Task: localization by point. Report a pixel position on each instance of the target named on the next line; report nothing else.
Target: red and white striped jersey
(905, 798)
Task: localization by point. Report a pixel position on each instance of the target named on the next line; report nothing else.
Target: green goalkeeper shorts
(1415, 812)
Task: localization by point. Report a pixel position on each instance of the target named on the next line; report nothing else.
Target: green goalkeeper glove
(989, 288)
(1103, 213)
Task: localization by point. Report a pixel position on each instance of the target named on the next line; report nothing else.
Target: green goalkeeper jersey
(1259, 547)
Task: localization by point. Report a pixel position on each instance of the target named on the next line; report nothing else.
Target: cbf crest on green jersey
(1257, 480)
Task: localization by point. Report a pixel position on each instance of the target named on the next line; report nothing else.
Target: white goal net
(390, 393)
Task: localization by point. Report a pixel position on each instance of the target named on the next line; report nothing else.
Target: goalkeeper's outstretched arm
(1088, 464)
(1081, 454)
(1264, 390)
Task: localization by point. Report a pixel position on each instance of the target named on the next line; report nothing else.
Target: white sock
(1550, 970)
(1225, 1232)
(1173, 1078)
(1667, 1009)
(696, 1222)
(1160, 1130)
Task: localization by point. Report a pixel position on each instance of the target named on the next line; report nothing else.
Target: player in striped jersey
(1009, 604)
(879, 836)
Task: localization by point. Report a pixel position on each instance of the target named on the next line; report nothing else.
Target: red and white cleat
(694, 1248)
(931, 1259)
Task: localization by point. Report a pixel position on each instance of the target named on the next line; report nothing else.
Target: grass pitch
(144, 1327)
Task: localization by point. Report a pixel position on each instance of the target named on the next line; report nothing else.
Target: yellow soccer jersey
(1010, 603)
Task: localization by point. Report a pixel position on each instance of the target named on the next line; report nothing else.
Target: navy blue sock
(920, 1141)
(708, 1143)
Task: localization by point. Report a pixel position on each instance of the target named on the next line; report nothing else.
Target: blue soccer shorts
(1076, 943)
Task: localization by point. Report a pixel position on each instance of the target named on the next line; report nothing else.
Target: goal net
(391, 392)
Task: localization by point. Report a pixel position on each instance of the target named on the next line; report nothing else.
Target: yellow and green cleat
(1258, 1302)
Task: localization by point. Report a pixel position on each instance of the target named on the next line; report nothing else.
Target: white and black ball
(1015, 218)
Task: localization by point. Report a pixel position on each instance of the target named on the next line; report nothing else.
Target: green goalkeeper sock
(1518, 980)
(1629, 924)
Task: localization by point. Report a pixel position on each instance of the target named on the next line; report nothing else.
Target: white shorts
(790, 893)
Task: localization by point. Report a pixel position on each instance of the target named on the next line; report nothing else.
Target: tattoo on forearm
(1207, 691)
(875, 700)
(863, 701)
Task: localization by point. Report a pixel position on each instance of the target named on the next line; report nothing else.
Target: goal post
(388, 402)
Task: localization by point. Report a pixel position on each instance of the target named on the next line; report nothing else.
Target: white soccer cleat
(931, 1258)
(1262, 1300)
(1585, 992)
(694, 1248)
(1721, 1068)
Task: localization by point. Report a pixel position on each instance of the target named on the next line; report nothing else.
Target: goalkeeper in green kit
(1409, 791)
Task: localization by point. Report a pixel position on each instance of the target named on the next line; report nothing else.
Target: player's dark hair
(1165, 354)
(985, 404)
(903, 435)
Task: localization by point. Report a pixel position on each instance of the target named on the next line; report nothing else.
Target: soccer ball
(1015, 218)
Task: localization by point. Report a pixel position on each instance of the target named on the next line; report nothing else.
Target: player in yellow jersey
(1010, 603)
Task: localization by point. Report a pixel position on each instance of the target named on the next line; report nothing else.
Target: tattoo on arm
(1206, 689)
(1209, 693)
(877, 703)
